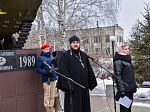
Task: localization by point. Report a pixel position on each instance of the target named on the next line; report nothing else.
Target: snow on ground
(99, 89)
(141, 94)
(141, 104)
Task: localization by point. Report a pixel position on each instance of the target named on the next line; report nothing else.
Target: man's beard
(75, 50)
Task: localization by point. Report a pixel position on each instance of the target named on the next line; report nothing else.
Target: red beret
(45, 46)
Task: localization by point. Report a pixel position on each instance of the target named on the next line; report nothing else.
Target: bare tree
(75, 14)
(63, 15)
(40, 25)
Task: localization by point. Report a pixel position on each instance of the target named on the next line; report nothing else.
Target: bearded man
(74, 64)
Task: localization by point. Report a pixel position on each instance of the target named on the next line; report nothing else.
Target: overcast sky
(129, 13)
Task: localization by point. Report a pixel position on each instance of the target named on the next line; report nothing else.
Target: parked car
(145, 83)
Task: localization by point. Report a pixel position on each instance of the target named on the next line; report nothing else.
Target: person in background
(49, 89)
(124, 70)
(75, 64)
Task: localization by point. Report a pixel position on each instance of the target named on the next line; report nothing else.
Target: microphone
(49, 66)
(92, 58)
(46, 64)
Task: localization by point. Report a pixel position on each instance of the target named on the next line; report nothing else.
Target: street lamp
(112, 39)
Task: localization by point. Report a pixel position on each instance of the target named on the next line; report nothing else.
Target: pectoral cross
(82, 63)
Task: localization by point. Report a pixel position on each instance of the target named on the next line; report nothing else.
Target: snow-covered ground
(99, 89)
(141, 94)
(141, 97)
(141, 104)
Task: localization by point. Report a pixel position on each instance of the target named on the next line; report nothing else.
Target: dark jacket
(42, 68)
(124, 70)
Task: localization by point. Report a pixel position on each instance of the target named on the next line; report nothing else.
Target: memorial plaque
(26, 61)
(7, 60)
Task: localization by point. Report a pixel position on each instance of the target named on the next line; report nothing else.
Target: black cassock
(70, 66)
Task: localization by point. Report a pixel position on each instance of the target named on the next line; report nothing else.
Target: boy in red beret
(49, 90)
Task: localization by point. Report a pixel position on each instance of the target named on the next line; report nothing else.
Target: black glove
(54, 61)
(50, 74)
(122, 94)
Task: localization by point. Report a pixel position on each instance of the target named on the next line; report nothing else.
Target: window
(117, 38)
(85, 40)
(96, 50)
(107, 38)
(108, 51)
(121, 39)
(97, 39)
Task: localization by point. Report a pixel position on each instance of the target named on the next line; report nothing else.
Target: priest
(74, 64)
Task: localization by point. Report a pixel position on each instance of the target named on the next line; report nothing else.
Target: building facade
(97, 40)
(92, 40)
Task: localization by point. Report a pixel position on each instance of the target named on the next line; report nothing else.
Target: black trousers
(124, 109)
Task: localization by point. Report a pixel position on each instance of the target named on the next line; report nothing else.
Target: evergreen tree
(140, 46)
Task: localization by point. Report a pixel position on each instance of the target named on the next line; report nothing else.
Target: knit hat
(45, 46)
(74, 38)
(120, 50)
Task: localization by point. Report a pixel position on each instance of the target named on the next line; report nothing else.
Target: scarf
(122, 57)
(120, 50)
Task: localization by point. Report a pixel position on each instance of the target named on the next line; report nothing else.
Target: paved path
(99, 104)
